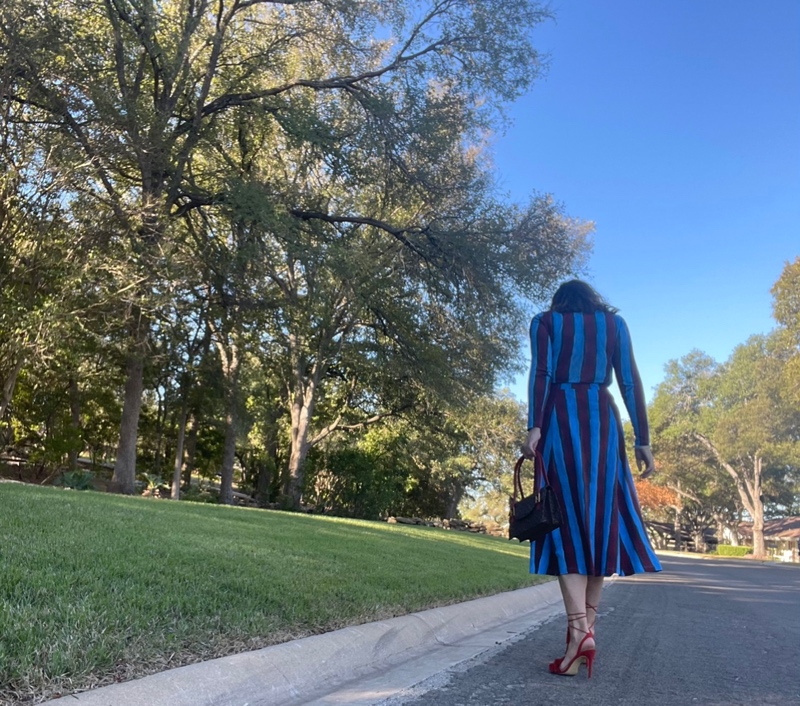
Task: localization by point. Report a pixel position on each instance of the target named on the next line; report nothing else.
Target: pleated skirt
(602, 530)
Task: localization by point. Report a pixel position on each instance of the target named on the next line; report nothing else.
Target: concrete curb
(297, 671)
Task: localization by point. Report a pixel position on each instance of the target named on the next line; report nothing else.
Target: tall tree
(134, 91)
(736, 414)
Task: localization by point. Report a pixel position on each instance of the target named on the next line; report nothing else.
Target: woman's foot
(580, 647)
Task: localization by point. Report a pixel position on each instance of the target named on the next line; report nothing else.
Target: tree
(369, 136)
(733, 414)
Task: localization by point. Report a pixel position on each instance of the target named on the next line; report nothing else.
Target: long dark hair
(577, 296)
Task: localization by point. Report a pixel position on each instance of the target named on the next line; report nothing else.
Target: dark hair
(577, 296)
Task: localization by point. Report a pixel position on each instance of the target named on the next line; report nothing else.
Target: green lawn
(96, 588)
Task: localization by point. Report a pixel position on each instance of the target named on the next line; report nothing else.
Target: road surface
(707, 632)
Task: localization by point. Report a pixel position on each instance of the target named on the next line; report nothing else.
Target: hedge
(730, 550)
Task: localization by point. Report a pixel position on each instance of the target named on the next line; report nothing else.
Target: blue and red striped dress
(602, 532)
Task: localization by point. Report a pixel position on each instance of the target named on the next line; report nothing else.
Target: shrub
(195, 494)
(77, 480)
(729, 550)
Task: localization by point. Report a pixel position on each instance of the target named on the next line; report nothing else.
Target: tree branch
(744, 492)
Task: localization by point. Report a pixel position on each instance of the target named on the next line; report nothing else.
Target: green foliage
(311, 203)
(736, 426)
(85, 588)
(786, 299)
(76, 480)
(352, 482)
(728, 550)
(199, 494)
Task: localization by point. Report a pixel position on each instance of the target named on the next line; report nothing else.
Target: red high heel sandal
(584, 656)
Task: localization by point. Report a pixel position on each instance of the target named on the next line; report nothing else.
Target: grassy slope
(96, 588)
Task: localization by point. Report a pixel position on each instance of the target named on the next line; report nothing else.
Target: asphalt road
(707, 632)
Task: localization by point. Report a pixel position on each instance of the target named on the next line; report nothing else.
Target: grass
(98, 588)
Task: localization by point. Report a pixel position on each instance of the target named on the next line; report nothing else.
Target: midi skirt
(602, 531)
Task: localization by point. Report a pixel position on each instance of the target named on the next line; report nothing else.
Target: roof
(784, 528)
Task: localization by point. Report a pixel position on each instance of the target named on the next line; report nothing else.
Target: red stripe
(589, 349)
(584, 413)
(569, 494)
(565, 355)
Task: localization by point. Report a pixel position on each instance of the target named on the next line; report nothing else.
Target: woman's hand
(644, 456)
(529, 445)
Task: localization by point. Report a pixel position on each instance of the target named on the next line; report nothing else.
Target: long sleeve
(541, 371)
(630, 384)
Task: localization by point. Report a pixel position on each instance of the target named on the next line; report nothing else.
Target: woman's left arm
(630, 383)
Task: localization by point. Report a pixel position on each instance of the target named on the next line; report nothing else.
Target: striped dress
(583, 447)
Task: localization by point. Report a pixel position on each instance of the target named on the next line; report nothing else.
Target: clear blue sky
(674, 125)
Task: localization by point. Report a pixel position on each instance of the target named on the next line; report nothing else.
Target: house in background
(782, 537)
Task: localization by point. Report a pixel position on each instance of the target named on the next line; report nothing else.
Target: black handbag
(533, 516)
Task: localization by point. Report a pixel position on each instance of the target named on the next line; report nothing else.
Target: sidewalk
(362, 665)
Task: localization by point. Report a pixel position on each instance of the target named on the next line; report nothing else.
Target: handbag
(532, 517)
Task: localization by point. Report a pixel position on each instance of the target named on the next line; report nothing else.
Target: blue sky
(674, 125)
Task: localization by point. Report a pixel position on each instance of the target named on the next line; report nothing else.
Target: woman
(574, 423)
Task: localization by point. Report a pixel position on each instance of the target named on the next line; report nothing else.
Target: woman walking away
(574, 423)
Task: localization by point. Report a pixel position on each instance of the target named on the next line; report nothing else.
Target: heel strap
(594, 608)
(577, 617)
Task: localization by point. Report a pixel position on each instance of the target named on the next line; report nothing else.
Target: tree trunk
(678, 531)
(263, 481)
(178, 467)
(304, 399)
(230, 369)
(228, 455)
(125, 467)
(161, 421)
(191, 452)
(302, 407)
(749, 493)
(267, 469)
(759, 548)
(677, 527)
(9, 383)
(699, 541)
(75, 421)
(452, 504)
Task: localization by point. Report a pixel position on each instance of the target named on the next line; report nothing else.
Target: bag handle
(539, 476)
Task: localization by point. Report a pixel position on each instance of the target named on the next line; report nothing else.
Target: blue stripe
(563, 478)
(626, 541)
(533, 402)
(611, 481)
(555, 542)
(627, 373)
(544, 562)
(548, 540)
(601, 369)
(532, 374)
(628, 490)
(577, 451)
(578, 346)
(558, 544)
(594, 436)
(558, 337)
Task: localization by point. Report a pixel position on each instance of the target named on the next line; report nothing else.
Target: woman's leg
(574, 593)
(594, 591)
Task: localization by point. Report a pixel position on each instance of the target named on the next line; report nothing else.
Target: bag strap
(539, 476)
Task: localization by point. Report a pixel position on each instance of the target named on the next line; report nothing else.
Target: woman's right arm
(539, 380)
